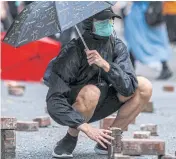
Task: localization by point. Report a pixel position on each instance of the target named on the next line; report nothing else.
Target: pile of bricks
(40, 121)
(8, 137)
(140, 144)
(10, 125)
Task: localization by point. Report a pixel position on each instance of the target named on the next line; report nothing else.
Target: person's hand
(94, 57)
(99, 135)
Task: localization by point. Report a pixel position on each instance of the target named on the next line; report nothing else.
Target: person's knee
(144, 88)
(88, 98)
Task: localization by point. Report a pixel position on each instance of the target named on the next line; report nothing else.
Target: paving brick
(107, 122)
(148, 108)
(116, 144)
(43, 121)
(8, 140)
(168, 157)
(168, 88)
(143, 147)
(141, 134)
(8, 144)
(120, 156)
(149, 127)
(8, 155)
(8, 123)
(16, 90)
(27, 126)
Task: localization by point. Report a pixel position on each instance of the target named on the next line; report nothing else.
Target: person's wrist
(83, 127)
(106, 66)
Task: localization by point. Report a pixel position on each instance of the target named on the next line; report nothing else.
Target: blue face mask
(103, 28)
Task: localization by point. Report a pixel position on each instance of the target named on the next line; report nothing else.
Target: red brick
(148, 108)
(8, 144)
(116, 144)
(149, 127)
(8, 123)
(43, 121)
(120, 156)
(107, 122)
(8, 138)
(143, 147)
(16, 90)
(168, 88)
(168, 157)
(27, 126)
(141, 134)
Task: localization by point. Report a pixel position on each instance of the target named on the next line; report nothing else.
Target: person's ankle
(72, 133)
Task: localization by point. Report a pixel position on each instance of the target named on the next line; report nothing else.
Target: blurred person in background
(169, 10)
(146, 35)
(6, 18)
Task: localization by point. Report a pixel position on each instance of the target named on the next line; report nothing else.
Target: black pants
(108, 102)
(171, 27)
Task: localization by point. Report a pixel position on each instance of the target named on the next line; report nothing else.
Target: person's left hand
(94, 57)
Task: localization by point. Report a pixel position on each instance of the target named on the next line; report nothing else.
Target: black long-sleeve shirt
(71, 68)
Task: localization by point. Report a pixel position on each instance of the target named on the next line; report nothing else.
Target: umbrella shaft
(85, 45)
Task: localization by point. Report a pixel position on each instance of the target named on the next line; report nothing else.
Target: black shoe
(65, 147)
(165, 74)
(100, 149)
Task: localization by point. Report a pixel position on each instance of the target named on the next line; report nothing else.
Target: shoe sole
(100, 152)
(62, 156)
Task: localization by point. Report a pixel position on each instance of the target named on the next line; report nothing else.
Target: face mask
(103, 28)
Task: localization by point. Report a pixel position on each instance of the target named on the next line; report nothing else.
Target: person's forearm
(106, 66)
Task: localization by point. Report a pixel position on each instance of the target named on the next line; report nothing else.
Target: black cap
(106, 14)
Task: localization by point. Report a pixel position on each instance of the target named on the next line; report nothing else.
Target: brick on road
(107, 122)
(116, 144)
(141, 134)
(148, 108)
(149, 127)
(143, 147)
(27, 126)
(120, 156)
(8, 138)
(8, 123)
(168, 157)
(8, 144)
(16, 90)
(168, 88)
(43, 121)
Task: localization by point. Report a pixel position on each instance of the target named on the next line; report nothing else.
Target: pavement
(39, 145)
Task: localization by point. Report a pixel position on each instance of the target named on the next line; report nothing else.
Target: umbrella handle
(85, 45)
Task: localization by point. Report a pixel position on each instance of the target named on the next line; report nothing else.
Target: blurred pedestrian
(88, 85)
(148, 43)
(169, 10)
(6, 18)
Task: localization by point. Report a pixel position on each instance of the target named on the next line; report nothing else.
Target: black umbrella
(45, 18)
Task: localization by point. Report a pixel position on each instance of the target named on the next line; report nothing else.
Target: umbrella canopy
(44, 18)
(28, 62)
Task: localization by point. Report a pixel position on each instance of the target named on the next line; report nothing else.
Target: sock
(71, 137)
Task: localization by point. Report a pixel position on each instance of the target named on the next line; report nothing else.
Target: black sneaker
(100, 150)
(165, 74)
(65, 147)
